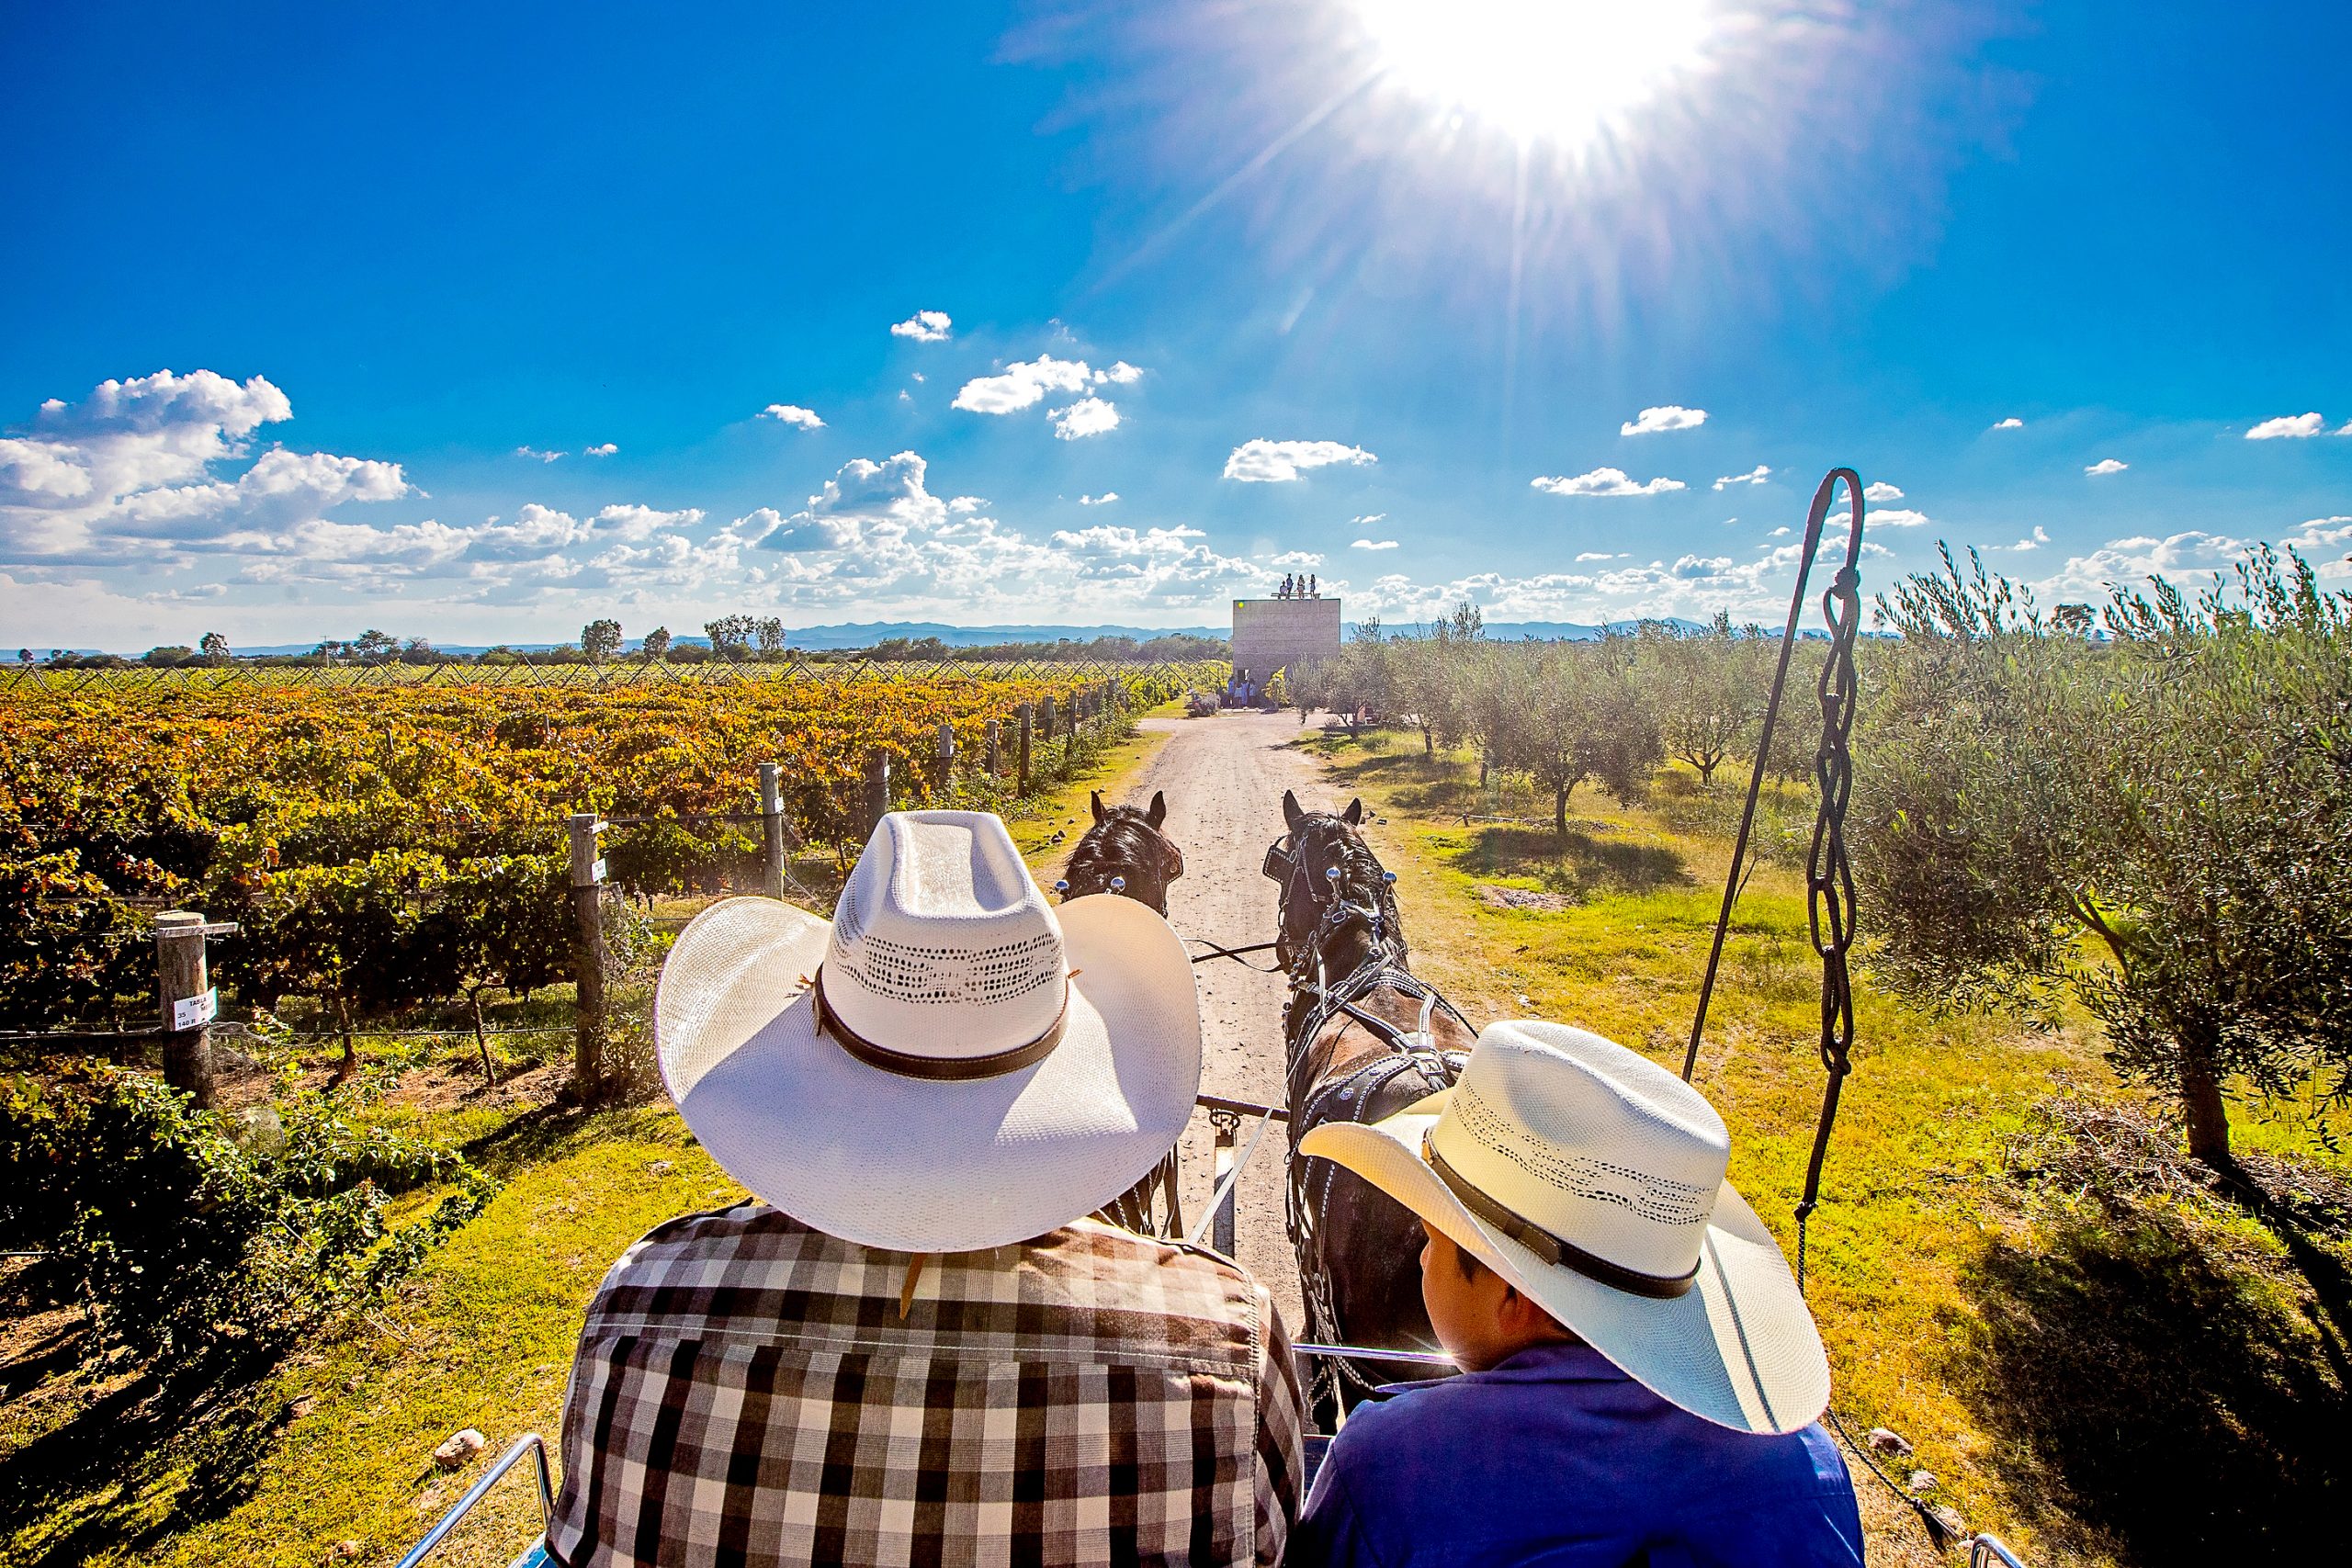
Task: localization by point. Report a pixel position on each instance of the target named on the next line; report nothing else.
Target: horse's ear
(1353, 814)
(1159, 810)
(1095, 799)
(1291, 811)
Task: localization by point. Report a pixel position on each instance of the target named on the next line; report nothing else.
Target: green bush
(189, 1233)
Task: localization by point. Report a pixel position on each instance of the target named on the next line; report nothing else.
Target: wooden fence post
(1047, 718)
(947, 759)
(188, 1004)
(876, 801)
(587, 957)
(1027, 716)
(771, 824)
(995, 739)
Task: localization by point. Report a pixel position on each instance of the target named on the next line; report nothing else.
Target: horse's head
(1337, 904)
(1125, 846)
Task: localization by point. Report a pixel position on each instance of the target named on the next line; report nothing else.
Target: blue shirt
(1557, 1458)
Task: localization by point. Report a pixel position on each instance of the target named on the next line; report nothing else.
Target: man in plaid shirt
(917, 1352)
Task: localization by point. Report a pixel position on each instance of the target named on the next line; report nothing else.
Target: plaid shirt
(746, 1393)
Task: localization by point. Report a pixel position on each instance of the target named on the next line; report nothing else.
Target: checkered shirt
(747, 1394)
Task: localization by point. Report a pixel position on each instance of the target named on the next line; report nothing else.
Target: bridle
(1287, 864)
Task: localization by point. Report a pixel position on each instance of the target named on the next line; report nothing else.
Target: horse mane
(1122, 844)
(1364, 881)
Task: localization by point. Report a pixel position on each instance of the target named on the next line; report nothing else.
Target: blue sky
(1279, 278)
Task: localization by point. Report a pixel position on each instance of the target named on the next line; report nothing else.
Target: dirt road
(1225, 778)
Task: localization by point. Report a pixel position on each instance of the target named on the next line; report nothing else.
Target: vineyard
(384, 841)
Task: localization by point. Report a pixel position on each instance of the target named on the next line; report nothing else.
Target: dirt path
(1225, 778)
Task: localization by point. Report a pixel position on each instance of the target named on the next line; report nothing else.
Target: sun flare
(1564, 71)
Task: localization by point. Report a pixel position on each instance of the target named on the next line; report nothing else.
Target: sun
(1569, 72)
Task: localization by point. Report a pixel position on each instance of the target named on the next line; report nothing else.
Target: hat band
(1552, 1249)
(938, 1069)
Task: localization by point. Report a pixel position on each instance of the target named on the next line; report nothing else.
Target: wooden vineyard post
(948, 760)
(188, 1003)
(587, 956)
(1046, 729)
(1027, 714)
(772, 825)
(995, 739)
(876, 803)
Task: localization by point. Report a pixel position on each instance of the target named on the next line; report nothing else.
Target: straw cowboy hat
(1593, 1180)
(948, 1063)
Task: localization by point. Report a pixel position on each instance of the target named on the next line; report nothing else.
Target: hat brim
(1739, 1348)
(918, 1165)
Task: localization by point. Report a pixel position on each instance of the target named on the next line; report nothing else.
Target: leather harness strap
(937, 1069)
(1552, 1249)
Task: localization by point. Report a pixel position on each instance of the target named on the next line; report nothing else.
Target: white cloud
(606, 450)
(1755, 476)
(1299, 558)
(792, 414)
(1879, 490)
(2287, 426)
(1584, 556)
(2040, 536)
(534, 452)
(2106, 465)
(1603, 481)
(2012, 422)
(966, 503)
(1373, 545)
(1671, 416)
(1088, 416)
(1368, 519)
(1783, 531)
(1105, 498)
(1025, 384)
(1275, 462)
(923, 326)
(1894, 517)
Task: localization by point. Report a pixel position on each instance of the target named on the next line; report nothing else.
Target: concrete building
(1284, 634)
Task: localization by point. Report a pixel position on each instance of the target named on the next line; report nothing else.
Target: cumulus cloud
(2012, 422)
(792, 414)
(2040, 537)
(1603, 481)
(966, 503)
(533, 452)
(1299, 558)
(1373, 545)
(1584, 556)
(1025, 384)
(1088, 416)
(2106, 465)
(923, 326)
(1368, 519)
(606, 450)
(1879, 490)
(1671, 416)
(1894, 517)
(1105, 498)
(1755, 476)
(2287, 427)
(1277, 462)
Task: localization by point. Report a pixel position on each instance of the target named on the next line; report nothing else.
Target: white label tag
(193, 1012)
(597, 870)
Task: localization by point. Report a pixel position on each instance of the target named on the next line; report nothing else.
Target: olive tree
(2158, 822)
(1709, 688)
(1577, 715)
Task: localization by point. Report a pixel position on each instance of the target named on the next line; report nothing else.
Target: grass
(105, 1465)
(2142, 1375)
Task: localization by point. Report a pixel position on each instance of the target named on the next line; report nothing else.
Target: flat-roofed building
(1283, 634)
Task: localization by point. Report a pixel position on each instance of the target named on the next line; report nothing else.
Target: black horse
(1124, 846)
(1125, 853)
(1362, 1040)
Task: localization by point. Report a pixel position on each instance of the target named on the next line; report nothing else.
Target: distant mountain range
(865, 633)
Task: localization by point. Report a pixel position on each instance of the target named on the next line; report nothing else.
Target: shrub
(188, 1232)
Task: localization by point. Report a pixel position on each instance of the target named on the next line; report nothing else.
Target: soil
(1224, 778)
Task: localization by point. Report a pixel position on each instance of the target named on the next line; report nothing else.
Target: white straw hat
(949, 1064)
(1593, 1180)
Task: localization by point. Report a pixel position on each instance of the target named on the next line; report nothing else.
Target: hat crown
(1581, 1137)
(942, 943)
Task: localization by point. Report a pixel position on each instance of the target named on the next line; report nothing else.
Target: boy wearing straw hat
(911, 1347)
(1640, 1375)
